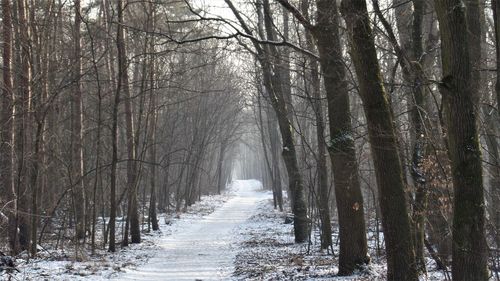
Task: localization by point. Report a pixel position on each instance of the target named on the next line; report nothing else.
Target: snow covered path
(203, 249)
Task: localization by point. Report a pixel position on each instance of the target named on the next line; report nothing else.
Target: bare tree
(459, 95)
(6, 137)
(389, 173)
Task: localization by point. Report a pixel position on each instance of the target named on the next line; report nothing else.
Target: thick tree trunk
(349, 198)
(389, 173)
(458, 90)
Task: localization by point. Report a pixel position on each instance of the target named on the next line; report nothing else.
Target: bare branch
(297, 14)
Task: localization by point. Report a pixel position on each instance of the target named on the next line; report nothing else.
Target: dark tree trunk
(312, 84)
(275, 156)
(132, 210)
(410, 26)
(6, 130)
(496, 188)
(352, 235)
(458, 90)
(389, 173)
(272, 81)
(76, 157)
(23, 124)
(154, 121)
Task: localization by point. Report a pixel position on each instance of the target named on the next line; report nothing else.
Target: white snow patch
(198, 244)
(203, 249)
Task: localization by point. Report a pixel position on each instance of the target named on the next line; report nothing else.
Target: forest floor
(268, 252)
(234, 236)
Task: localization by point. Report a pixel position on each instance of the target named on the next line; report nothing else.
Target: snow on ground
(59, 265)
(236, 236)
(205, 248)
(268, 252)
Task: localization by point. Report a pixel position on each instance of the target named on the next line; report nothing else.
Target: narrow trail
(204, 249)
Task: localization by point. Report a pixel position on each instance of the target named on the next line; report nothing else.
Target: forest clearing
(250, 140)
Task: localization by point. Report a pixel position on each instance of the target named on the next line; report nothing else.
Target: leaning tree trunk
(273, 82)
(469, 248)
(389, 173)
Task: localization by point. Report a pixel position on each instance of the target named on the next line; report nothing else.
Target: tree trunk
(132, 211)
(273, 82)
(23, 124)
(6, 137)
(496, 189)
(458, 91)
(389, 173)
(76, 158)
(222, 149)
(410, 27)
(491, 135)
(313, 85)
(275, 156)
(114, 136)
(352, 235)
(154, 120)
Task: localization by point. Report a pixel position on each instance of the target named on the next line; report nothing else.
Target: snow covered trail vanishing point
(204, 249)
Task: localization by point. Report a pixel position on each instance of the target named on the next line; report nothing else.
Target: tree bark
(273, 81)
(469, 249)
(389, 173)
(410, 26)
(23, 124)
(154, 121)
(132, 210)
(7, 137)
(114, 138)
(352, 235)
(76, 157)
(313, 89)
(496, 189)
